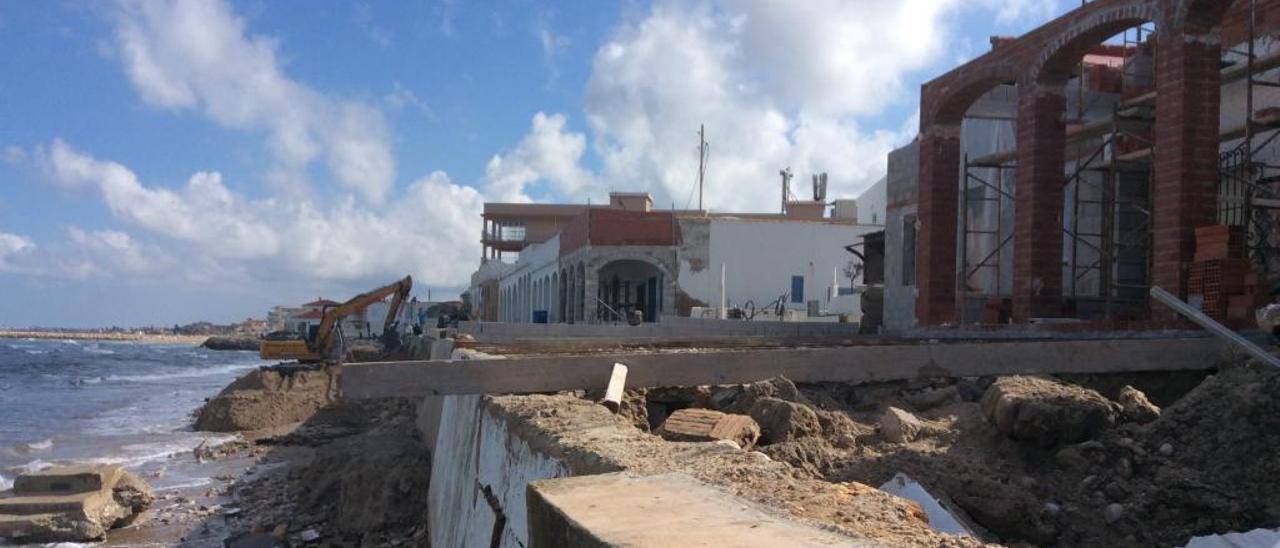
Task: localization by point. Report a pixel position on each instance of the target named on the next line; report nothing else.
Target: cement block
(624, 509)
(79, 478)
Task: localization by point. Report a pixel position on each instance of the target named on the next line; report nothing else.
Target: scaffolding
(1106, 184)
(1247, 193)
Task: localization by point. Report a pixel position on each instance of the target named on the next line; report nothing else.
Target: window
(909, 250)
(797, 289)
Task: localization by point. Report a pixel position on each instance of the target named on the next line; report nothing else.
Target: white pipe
(723, 314)
(1214, 327)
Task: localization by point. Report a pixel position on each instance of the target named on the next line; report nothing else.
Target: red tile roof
(310, 315)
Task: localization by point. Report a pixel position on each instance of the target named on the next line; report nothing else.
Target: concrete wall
(899, 294)
(669, 327)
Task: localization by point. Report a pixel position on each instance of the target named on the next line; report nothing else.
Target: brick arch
(952, 99)
(1089, 28)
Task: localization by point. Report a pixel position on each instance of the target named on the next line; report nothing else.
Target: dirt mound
(268, 397)
(1047, 411)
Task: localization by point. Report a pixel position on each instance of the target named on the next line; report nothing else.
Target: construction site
(1060, 331)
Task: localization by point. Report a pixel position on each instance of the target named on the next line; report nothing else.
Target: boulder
(1136, 407)
(740, 398)
(72, 504)
(232, 343)
(1046, 411)
(708, 425)
(899, 426)
(782, 421)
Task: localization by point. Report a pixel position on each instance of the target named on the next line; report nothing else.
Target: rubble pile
(1036, 459)
(268, 397)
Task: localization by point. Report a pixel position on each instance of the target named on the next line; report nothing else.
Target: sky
(164, 162)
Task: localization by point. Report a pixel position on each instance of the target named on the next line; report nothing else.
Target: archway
(628, 286)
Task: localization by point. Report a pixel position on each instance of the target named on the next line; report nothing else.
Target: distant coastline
(104, 336)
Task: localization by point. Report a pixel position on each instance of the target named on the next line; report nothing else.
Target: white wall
(871, 203)
(760, 257)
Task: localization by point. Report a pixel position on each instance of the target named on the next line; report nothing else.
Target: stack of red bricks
(1221, 275)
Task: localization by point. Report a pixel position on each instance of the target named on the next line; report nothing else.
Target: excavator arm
(321, 346)
(327, 334)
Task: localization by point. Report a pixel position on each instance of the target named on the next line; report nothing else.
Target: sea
(69, 401)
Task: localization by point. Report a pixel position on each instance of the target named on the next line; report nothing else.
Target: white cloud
(400, 98)
(777, 84)
(430, 231)
(551, 42)
(547, 153)
(82, 254)
(193, 54)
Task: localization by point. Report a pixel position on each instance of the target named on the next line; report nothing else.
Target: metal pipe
(1213, 326)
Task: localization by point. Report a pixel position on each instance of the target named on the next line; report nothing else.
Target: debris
(1166, 449)
(900, 426)
(75, 503)
(1046, 411)
(310, 535)
(617, 383)
(930, 398)
(781, 420)
(707, 425)
(939, 517)
(1113, 512)
(1214, 327)
(1257, 538)
(1136, 407)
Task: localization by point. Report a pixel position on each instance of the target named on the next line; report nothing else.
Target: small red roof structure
(310, 315)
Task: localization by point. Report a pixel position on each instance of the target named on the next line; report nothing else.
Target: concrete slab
(76, 478)
(46, 504)
(853, 365)
(624, 509)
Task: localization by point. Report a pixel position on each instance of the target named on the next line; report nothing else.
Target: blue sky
(166, 162)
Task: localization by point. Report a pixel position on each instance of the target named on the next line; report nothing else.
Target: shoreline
(194, 340)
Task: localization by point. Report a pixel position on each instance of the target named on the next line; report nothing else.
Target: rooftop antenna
(704, 150)
(786, 186)
(820, 186)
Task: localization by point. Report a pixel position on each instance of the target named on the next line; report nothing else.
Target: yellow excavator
(319, 344)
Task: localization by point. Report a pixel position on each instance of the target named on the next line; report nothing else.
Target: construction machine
(321, 344)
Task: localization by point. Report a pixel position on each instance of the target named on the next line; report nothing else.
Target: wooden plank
(855, 364)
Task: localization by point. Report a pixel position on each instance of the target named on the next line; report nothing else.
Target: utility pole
(703, 151)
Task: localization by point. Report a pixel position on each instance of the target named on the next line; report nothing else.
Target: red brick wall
(619, 227)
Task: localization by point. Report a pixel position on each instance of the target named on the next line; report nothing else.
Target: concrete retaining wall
(481, 471)
(669, 327)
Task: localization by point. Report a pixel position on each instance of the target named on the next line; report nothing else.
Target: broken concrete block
(783, 420)
(1136, 407)
(1046, 411)
(899, 426)
(76, 478)
(707, 425)
(74, 503)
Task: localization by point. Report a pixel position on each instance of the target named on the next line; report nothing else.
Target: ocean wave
(5, 483)
(37, 445)
(193, 372)
(36, 352)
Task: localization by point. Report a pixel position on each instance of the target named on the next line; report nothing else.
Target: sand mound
(268, 397)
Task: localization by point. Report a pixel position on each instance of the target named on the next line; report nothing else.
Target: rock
(232, 343)
(1113, 512)
(1136, 407)
(1166, 449)
(930, 398)
(741, 398)
(310, 535)
(707, 425)
(783, 420)
(1052, 509)
(1045, 411)
(72, 504)
(899, 426)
